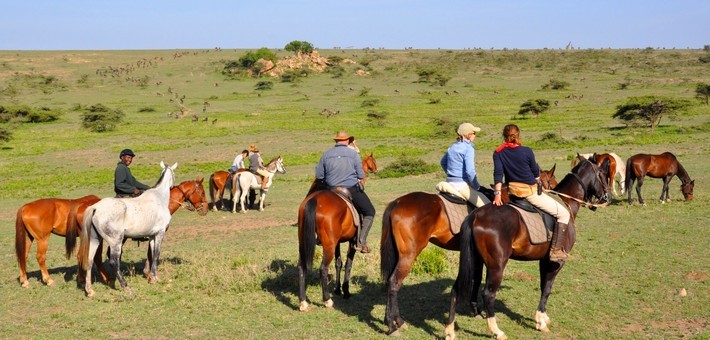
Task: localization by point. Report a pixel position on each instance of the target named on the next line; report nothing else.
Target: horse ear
(605, 165)
(173, 166)
(581, 159)
(552, 171)
(162, 165)
(199, 179)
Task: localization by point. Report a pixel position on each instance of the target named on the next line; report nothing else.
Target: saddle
(348, 198)
(456, 208)
(539, 223)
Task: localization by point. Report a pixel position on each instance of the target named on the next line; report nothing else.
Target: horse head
(371, 163)
(594, 179)
(687, 190)
(279, 163)
(194, 193)
(167, 170)
(547, 178)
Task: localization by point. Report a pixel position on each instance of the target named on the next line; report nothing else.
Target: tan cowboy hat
(253, 148)
(343, 135)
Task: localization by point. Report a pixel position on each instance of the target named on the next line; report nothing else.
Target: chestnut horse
(492, 235)
(369, 164)
(39, 219)
(188, 194)
(409, 223)
(325, 214)
(663, 166)
(218, 182)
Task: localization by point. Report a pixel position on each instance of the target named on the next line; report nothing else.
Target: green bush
(26, 114)
(100, 118)
(264, 85)
(370, 102)
(555, 84)
(534, 106)
(5, 135)
(299, 46)
(406, 166)
(146, 109)
(432, 260)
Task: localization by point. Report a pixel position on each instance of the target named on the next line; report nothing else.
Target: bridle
(187, 202)
(584, 202)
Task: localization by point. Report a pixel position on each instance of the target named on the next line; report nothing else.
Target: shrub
(432, 260)
(264, 85)
(377, 117)
(299, 46)
(649, 110)
(146, 109)
(370, 102)
(5, 135)
(432, 76)
(406, 166)
(99, 118)
(26, 114)
(555, 84)
(534, 106)
(702, 92)
(704, 59)
(293, 75)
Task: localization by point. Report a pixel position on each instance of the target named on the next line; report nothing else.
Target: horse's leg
(629, 189)
(23, 264)
(348, 268)
(477, 277)
(665, 190)
(262, 196)
(394, 283)
(94, 242)
(639, 183)
(242, 197)
(450, 329)
(328, 254)
(42, 245)
(155, 245)
(338, 268)
(115, 261)
(548, 272)
(494, 277)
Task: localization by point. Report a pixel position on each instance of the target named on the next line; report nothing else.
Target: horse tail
(307, 234)
(72, 231)
(464, 280)
(388, 248)
(213, 185)
(630, 175)
(20, 239)
(87, 227)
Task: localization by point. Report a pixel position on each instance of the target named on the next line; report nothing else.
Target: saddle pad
(456, 213)
(349, 203)
(536, 227)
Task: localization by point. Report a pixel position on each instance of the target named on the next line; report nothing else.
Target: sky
(389, 24)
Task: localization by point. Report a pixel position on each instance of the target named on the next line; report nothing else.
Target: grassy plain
(227, 275)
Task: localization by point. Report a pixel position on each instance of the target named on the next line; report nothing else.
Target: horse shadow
(227, 204)
(434, 294)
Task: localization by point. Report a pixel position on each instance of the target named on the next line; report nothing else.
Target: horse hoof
(544, 330)
(49, 282)
(329, 303)
(25, 284)
(303, 307)
(449, 331)
(395, 334)
(502, 336)
(90, 293)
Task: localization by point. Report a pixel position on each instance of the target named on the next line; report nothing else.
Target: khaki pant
(550, 206)
(263, 173)
(464, 190)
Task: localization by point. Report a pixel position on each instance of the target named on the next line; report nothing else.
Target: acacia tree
(299, 46)
(702, 92)
(649, 110)
(534, 106)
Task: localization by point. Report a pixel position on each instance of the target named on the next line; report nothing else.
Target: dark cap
(128, 152)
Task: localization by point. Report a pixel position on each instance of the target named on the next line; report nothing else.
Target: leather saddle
(534, 217)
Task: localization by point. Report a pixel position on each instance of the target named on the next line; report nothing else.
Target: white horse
(113, 219)
(247, 181)
(620, 171)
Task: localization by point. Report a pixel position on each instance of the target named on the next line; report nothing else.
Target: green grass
(227, 275)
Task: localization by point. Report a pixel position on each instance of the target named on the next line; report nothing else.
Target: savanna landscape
(635, 272)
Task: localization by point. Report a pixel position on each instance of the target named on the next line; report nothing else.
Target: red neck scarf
(508, 145)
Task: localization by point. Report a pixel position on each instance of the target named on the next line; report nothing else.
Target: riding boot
(264, 181)
(557, 252)
(362, 235)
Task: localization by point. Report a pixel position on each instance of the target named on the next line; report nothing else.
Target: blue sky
(391, 24)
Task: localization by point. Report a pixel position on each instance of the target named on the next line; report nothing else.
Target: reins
(584, 189)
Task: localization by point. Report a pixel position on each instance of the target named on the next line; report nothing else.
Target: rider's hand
(497, 200)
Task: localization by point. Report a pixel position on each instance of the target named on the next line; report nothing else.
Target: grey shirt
(340, 166)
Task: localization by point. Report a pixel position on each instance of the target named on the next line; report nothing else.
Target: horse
(369, 164)
(113, 219)
(187, 194)
(324, 214)
(246, 181)
(492, 235)
(218, 182)
(664, 166)
(409, 223)
(37, 220)
(617, 168)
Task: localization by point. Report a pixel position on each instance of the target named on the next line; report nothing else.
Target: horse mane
(682, 173)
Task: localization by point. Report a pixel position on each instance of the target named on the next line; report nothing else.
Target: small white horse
(620, 171)
(113, 219)
(247, 181)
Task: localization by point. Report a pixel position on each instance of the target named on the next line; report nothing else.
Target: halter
(187, 198)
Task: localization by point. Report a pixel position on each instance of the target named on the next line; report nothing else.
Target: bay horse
(245, 181)
(39, 219)
(492, 235)
(617, 169)
(409, 223)
(188, 194)
(324, 214)
(113, 219)
(663, 166)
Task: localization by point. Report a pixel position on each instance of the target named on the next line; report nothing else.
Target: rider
(340, 166)
(517, 163)
(458, 163)
(256, 165)
(124, 184)
(239, 161)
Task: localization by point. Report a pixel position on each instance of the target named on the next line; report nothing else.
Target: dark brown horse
(39, 219)
(409, 223)
(492, 235)
(326, 215)
(188, 194)
(663, 166)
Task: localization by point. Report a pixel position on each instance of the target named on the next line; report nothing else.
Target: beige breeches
(549, 205)
(476, 198)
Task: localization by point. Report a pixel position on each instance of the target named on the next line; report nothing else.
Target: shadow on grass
(418, 302)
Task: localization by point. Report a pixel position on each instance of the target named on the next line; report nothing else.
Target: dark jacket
(123, 181)
(517, 165)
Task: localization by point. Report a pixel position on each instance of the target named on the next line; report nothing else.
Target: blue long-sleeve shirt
(517, 165)
(340, 166)
(458, 163)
